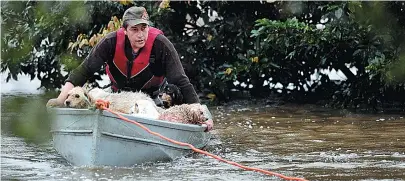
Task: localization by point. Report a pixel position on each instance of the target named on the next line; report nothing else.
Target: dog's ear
(88, 96)
(177, 96)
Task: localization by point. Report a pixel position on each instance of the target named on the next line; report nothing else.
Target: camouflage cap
(135, 15)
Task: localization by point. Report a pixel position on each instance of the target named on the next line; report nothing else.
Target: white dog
(137, 103)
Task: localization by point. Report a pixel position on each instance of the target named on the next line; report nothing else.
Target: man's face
(137, 34)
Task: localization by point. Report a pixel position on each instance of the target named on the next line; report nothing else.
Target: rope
(103, 105)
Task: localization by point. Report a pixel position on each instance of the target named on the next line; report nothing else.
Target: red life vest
(139, 76)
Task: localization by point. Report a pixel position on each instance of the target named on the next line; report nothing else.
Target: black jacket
(163, 51)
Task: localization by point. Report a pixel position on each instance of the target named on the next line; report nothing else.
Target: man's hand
(54, 103)
(58, 102)
(210, 125)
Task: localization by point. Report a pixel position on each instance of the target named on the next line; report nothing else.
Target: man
(137, 57)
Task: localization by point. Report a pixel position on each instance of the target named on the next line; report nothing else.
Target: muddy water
(295, 140)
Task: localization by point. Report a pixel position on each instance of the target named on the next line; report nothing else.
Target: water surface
(295, 140)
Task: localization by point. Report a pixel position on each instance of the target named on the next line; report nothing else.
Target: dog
(123, 102)
(184, 113)
(78, 98)
(171, 95)
(139, 104)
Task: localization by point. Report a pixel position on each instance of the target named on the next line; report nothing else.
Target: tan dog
(78, 98)
(188, 114)
(184, 113)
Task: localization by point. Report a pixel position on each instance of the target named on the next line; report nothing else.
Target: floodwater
(303, 141)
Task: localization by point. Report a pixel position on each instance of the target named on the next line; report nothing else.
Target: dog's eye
(77, 96)
(136, 105)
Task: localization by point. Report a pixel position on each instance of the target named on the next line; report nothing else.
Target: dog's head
(78, 98)
(197, 112)
(171, 96)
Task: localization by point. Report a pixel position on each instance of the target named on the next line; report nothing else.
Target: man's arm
(173, 69)
(64, 92)
(103, 51)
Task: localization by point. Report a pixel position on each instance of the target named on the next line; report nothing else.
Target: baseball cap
(135, 15)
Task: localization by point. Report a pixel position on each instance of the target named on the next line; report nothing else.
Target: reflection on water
(295, 140)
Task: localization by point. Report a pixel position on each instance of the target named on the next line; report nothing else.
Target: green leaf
(226, 65)
(274, 65)
(357, 52)
(207, 71)
(241, 57)
(338, 13)
(254, 33)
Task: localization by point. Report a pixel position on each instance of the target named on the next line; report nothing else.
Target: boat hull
(98, 138)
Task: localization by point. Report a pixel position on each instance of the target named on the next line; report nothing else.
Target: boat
(86, 137)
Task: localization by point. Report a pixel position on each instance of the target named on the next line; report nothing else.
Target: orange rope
(103, 105)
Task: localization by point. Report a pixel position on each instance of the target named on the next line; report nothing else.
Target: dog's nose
(67, 103)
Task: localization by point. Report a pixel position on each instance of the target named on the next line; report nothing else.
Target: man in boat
(137, 57)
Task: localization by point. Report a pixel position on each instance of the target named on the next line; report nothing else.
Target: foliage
(290, 52)
(218, 36)
(227, 46)
(34, 42)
